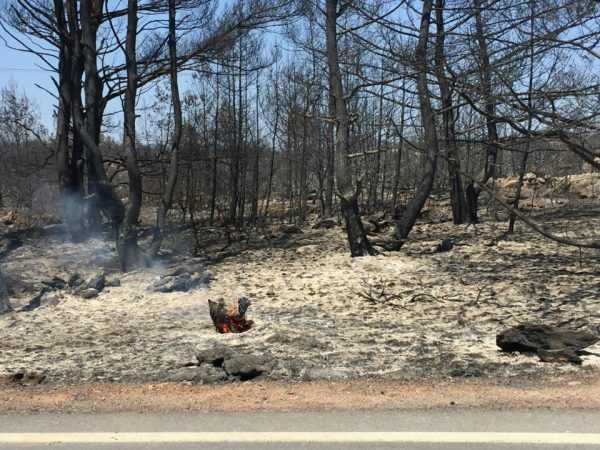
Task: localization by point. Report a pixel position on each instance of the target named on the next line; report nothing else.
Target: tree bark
(330, 163)
(491, 155)
(457, 193)
(213, 196)
(167, 198)
(357, 238)
(98, 181)
(408, 219)
(127, 245)
(69, 181)
(400, 132)
(273, 147)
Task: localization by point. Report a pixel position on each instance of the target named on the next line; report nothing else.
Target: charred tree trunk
(523, 169)
(167, 198)
(98, 181)
(357, 238)
(400, 132)
(256, 161)
(457, 193)
(330, 164)
(273, 147)
(69, 181)
(491, 155)
(213, 196)
(408, 219)
(127, 244)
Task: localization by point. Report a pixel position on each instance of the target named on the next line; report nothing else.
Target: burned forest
(208, 192)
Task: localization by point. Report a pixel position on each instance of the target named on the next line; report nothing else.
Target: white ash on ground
(317, 311)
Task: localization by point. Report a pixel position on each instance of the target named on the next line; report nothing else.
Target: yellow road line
(318, 437)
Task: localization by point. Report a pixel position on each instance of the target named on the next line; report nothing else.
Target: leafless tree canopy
(244, 113)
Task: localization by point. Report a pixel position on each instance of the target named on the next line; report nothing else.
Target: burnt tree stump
(230, 318)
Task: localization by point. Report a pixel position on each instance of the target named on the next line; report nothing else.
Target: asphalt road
(412, 429)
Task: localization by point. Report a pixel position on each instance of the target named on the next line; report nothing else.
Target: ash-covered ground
(318, 312)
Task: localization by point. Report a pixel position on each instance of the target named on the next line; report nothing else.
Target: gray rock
(55, 282)
(115, 282)
(552, 344)
(75, 280)
(247, 367)
(178, 270)
(162, 282)
(36, 301)
(214, 356)
(96, 281)
(209, 375)
(198, 374)
(49, 299)
(529, 337)
(182, 374)
(87, 293)
(180, 283)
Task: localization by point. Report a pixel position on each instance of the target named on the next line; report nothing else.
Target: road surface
(416, 429)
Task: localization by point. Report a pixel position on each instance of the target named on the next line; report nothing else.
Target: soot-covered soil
(317, 311)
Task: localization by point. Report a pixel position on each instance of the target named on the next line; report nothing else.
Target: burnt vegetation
(246, 115)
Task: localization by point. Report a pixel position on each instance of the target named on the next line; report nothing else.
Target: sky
(20, 68)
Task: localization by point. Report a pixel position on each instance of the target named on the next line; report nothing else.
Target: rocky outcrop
(551, 344)
(182, 278)
(223, 364)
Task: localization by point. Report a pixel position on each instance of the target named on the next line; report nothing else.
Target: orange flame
(224, 328)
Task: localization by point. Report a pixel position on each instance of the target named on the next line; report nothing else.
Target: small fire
(223, 328)
(230, 318)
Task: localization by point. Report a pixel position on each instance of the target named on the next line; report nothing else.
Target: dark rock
(564, 355)
(36, 301)
(195, 374)
(247, 367)
(550, 343)
(445, 246)
(115, 282)
(214, 356)
(179, 270)
(49, 299)
(55, 282)
(180, 283)
(162, 282)
(97, 282)
(75, 280)
(209, 375)
(182, 374)
(87, 293)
